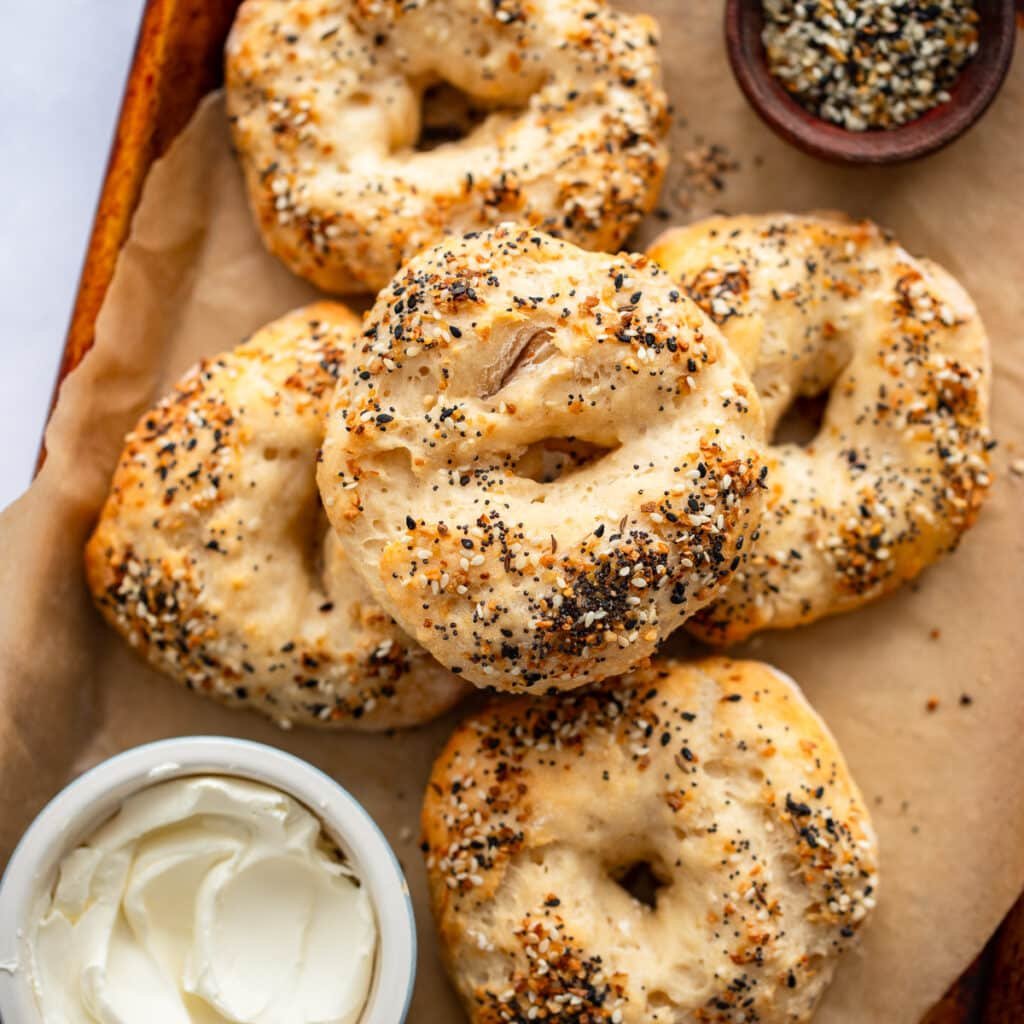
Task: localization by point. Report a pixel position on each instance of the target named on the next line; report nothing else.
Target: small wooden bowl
(973, 91)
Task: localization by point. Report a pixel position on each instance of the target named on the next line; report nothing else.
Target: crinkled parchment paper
(946, 786)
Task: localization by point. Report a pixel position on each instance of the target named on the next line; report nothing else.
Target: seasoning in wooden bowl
(869, 63)
(870, 81)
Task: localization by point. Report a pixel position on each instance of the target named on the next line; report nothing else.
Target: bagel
(486, 351)
(899, 468)
(324, 98)
(681, 844)
(213, 558)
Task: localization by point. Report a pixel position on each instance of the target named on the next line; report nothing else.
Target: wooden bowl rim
(972, 94)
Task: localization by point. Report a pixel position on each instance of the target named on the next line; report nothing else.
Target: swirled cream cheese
(205, 900)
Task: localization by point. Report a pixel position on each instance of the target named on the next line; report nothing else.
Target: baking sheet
(946, 786)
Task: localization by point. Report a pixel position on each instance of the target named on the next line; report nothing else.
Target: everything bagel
(325, 100)
(682, 844)
(899, 467)
(543, 460)
(213, 558)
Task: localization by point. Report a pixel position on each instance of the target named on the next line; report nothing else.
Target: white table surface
(61, 80)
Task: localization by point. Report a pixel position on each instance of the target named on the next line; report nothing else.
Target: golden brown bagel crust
(899, 468)
(485, 356)
(213, 558)
(720, 778)
(325, 104)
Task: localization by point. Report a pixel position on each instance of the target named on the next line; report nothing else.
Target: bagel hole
(447, 114)
(313, 527)
(641, 880)
(555, 458)
(801, 423)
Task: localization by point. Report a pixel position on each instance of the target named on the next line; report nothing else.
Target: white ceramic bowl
(88, 801)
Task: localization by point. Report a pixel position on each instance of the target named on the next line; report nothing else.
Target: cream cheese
(205, 900)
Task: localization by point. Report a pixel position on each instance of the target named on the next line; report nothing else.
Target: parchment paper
(946, 786)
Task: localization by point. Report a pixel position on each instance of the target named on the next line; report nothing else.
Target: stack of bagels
(526, 466)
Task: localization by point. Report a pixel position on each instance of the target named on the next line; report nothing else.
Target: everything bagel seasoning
(869, 63)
